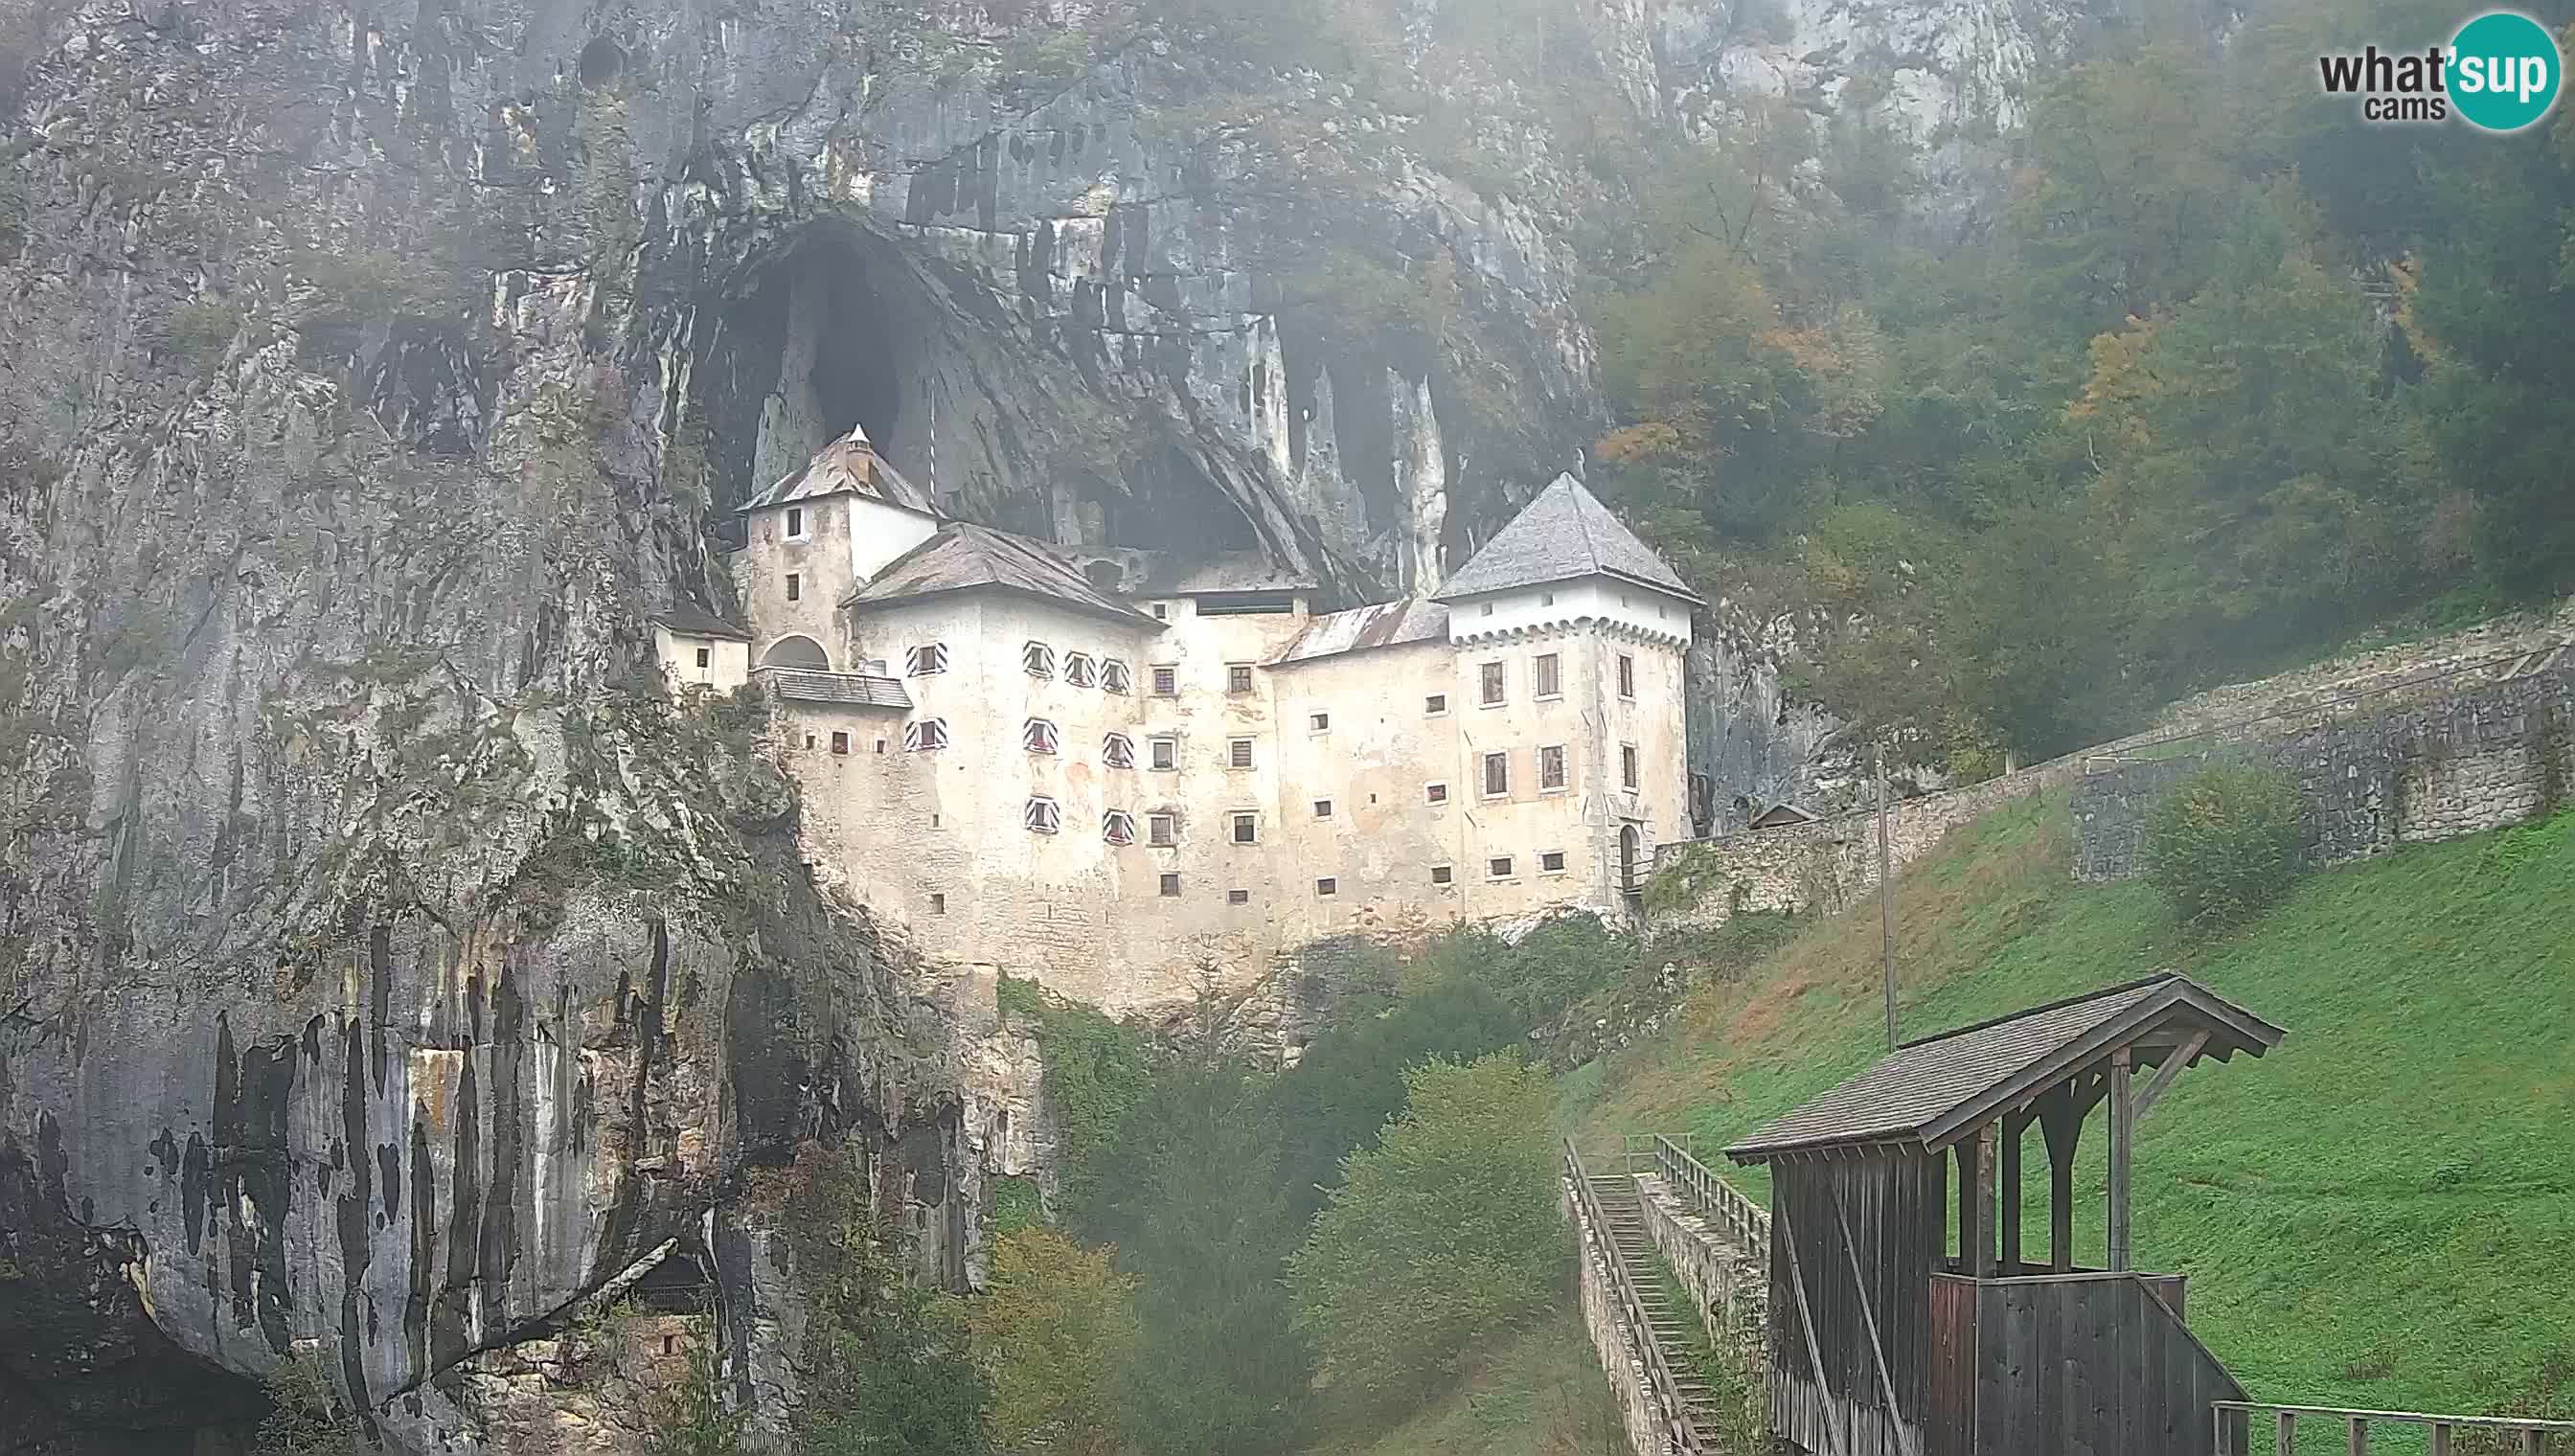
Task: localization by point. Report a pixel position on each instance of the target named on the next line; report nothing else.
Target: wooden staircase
(1622, 1216)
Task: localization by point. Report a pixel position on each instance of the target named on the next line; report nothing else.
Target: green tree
(1054, 1329)
(888, 1368)
(692, 1418)
(1445, 1232)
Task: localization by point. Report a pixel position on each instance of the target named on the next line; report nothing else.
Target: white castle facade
(1117, 775)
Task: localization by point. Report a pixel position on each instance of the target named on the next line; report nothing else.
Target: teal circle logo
(2504, 71)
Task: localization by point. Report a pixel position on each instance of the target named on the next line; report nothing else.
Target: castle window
(1627, 676)
(1490, 676)
(1039, 658)
(1237, 679)
(1238, 754)
(1497, 775)
(1435, 792)
(1041, 816)
(1317, 721)
(1551, 675)
(1436, 705)
(1441, 875)
(1166, 752)
(1112, 676)
(1551, 769)
(880, 746)
(1077, 668)
(1162, 610)
(1039, 737)
(705, 656)
(670, 1344)
(938, 903)
(1117, 751)
(927, 733)
(1327, 887)
(1117, 827)
(1628, 764)
(1171, 885)
(840, 743)
(795, 587)
(1498, 868)
(1487, 609)
(1552, 863)
(1322, 809)
(1167, 680)
(795, 523)
(1162, 830)
(921, 661)
(1546, 599)
(1246, 828)
(1238, 896)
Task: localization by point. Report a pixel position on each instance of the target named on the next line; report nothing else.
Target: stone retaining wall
(1611, 1340)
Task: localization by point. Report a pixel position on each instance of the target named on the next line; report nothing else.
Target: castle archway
(796, 651)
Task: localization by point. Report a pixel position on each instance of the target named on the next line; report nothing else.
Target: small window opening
(840, 743)
(1170, 886)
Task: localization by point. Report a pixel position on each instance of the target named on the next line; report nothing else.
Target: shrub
(1054, 1332)
(2224, 843)
(306, 1414)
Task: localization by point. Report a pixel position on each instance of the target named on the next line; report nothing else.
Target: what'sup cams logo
(2500, 73)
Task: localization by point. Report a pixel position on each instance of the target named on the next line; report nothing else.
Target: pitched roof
(847, 466)
(1563, 533)
(1388, 625)
(855, 689)
(961, 556)
(1928, 1093)
(1779, 814)
(691, 622)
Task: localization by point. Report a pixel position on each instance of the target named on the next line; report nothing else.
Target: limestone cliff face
(387, 967)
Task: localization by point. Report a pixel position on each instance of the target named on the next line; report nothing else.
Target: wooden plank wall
(2090, 1366)
(1883, 1219)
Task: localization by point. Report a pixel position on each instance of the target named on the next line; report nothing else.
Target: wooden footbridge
(1895, 1329)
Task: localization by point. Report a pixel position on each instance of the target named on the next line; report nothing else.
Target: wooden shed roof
(1929, 1093)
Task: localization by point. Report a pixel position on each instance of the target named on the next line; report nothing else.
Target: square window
(1435, 706)
(1435, 792)
(1318, 721)
(794, 522)
(1488, 610)
(927, 734)
(1166, 752)
(880, 746)
(1550, 768)
(1117, 827)
(1163, 829)
(705, 656)
(1628, 764)
(1497, 775)
(1322, 809)
(938, 903)
(921, 661)
(1627, 676)
(1246, 829)
(1039, 658)
(809, 741)
(1490, 676)
(1237, 679)
(1167, 680)
(1238, 754)
(1041, 816)
(1498, 868)
(1327, 887)
(795, 587)
(1238, 896)
(840, 743)
(1161, 611)
(1171, 885)
(1112, 676)
(1552, 863)
(1441, 875)
(1551, 675)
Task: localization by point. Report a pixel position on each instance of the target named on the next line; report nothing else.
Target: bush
(306, 1414)
(1054, 1332)
(2225, 844)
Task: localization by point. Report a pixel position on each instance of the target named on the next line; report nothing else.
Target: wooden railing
(2235, 1424)
(1682, 1435)
(1744, 1223)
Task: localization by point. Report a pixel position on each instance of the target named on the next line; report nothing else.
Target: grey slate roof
(854, 690)
(847, 466)
(691, 622)
(961, 557)
(1926, 1092)
(1388, 625)
(1563, 533)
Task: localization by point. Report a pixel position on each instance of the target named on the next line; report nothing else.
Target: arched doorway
(796, 651)
(1630, 844)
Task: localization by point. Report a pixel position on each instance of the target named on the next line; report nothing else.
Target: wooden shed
(1889, 1335)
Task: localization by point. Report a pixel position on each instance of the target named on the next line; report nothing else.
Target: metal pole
(1886, 899)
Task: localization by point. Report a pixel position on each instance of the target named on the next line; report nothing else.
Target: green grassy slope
(2379, 1213)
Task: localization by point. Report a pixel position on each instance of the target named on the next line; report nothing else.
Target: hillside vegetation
(2379, 1213)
